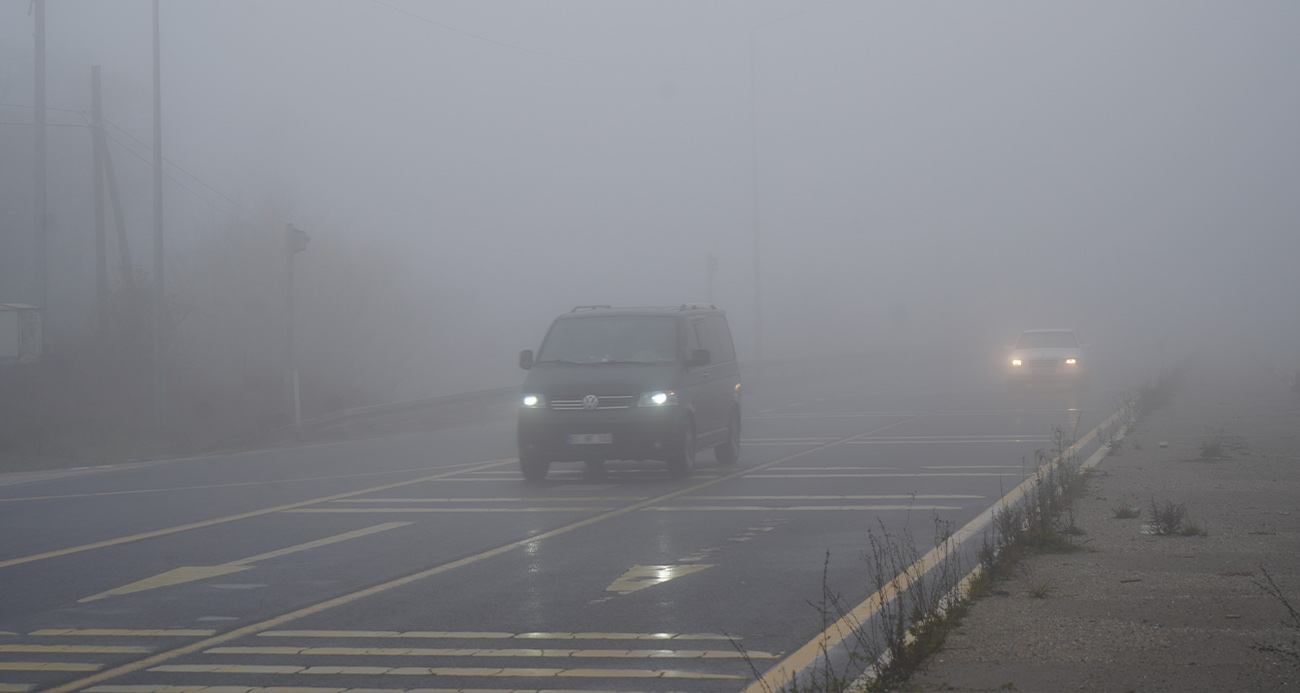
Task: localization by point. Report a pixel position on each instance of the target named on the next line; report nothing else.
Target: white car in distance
(1047, 357)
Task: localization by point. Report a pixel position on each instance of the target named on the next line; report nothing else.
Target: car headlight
(1015, 362)
(532, 402)
(658, 398)
(1070, 362)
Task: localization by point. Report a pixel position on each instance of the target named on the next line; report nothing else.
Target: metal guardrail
(480, 405)
(420, 413)
(499, 402)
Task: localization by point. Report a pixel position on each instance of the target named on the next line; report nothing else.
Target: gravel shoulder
(1142, 612)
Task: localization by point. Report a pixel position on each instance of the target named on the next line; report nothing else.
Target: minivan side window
(721, 348)
(695, 337)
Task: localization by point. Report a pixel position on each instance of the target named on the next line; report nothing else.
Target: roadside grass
(1041, 590)
(1125, 511)
(1169, 518)
(1289, 650)
(1216, 444)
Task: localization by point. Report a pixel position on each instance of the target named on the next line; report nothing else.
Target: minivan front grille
(602, 402)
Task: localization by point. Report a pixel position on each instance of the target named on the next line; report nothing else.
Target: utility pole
(159, 345)
(124, 266)
(101, 245)
(758, 239)
(40, 216)
(295, 241)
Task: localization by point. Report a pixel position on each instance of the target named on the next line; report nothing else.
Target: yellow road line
(485, 652)
(898, 496)
(830, 469)
(74, 649)
(558, 509)
(119, 632)
(304, 689)
(862, 415)
(232, 485)
(900, 475)
(184, 574)
(974, 466)
(530, 672)
(450, 635)
(963, 441)
(777, 508)
(341, 600)
(535, 499)
(320, 542)
(241, 516)
(830, 638)
(966, 438)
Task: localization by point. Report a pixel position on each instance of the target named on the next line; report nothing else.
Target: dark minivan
(631, 384)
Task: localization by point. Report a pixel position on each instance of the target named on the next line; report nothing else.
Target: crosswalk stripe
(479, 652)
(451, 635)
(74, 649)
(114, 632)
(560, 509)
(529, 672)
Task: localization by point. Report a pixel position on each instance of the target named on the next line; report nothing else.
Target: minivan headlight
(658, 398)
(1071, 362)
(532, 402)
(1015, 362)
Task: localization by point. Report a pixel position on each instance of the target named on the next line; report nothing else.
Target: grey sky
(922, 168)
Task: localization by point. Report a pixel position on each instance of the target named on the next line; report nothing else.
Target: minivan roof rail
(682, 307)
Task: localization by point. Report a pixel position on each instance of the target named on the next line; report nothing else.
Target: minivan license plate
(590, 438)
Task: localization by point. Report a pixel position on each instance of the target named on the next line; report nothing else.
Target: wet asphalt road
(423, 561)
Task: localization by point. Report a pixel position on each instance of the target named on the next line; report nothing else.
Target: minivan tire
(534, 468)
(728, 452)
(683, 461)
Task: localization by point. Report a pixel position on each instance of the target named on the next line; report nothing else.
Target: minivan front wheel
(728, 452)
(683, 462)
(533, 467)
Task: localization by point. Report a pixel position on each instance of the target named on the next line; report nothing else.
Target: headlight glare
(1015, 362)
(533, 402)
(1070, 362)
(658, 398)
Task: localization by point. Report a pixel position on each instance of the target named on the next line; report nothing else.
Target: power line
(182, 170)
(544, 54)
(186, 188)
(147, 148)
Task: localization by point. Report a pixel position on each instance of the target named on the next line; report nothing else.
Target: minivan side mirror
(699, 357)
(526, 359)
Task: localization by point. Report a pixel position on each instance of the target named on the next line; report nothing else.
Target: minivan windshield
(611, 339)
(1047, 339)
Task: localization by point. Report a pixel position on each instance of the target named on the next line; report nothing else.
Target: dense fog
(912, 175)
